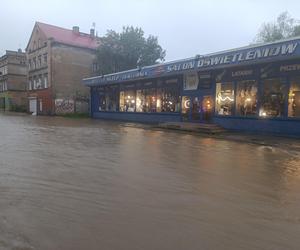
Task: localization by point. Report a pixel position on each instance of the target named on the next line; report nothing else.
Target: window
(30, 84)
(205, 81)
(45, 81)
(127, 101)
(111, 98)
(34, 83)
(185, 107)
(224, 98)
(34, 62)
(95, 67)
(108, 98)
(273, 99)
(146, 100)
(29, 64)
(246, 98)
(294, 98)
(39, 61)
(168, 96)
(45, 59)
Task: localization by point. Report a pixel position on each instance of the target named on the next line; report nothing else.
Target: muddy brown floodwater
(83, 184)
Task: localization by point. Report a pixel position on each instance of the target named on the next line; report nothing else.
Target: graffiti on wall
(64, 106)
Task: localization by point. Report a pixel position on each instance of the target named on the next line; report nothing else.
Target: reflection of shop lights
(132, 101)
(248, 100)
(128, 97)
(170, 103)
(127, 101)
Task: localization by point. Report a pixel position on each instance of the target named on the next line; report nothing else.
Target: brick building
(13, 72)
(58, 59)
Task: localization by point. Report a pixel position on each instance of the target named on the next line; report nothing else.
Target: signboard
(243, 56)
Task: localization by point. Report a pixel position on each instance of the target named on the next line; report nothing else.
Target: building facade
(58, 59)
(13, 73)
(254, 88)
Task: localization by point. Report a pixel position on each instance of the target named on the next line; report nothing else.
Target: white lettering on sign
(292, 67)
(278, 50)
(181, 66)
(242, 73)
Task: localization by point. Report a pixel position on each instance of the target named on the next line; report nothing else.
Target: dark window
(273, 99)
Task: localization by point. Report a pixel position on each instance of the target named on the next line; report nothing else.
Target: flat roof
(247, 55)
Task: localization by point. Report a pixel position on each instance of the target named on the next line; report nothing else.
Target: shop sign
(249, 55)
(288, 68)
(234, 57)
(242, 73)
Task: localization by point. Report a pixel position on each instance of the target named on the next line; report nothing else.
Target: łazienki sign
(253, 54)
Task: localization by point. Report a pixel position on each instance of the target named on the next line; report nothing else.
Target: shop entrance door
(197, 109)
(207, 108)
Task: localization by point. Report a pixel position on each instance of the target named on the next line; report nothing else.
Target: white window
(46, 81)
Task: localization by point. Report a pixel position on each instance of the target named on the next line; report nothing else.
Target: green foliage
(127, 50)
(284, 27)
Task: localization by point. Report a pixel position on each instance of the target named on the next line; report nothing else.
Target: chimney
(92, 33)
(20, 50)
(76, 29)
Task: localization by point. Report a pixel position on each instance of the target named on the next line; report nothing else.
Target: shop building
(13, 74)
(58, 59)
(254, 88)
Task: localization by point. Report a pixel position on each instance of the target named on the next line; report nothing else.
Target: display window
(167, 95)
(185, 107)
(108, 98)
(102, 102)
(225, 98)
(146, 100)
(127, 101)
(246, 98)
(294, 97)
(273, 98)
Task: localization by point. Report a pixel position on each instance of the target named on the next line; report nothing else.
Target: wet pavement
(91, 184)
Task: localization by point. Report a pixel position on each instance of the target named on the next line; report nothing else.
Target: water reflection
(84, 184)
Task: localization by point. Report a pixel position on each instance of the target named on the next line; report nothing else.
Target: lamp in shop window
(262, 113)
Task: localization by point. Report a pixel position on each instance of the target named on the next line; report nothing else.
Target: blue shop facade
(254, 88)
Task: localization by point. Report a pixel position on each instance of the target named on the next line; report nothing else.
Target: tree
(284, 27)
(127, 50)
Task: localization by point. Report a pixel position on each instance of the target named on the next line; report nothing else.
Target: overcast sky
(184, 27)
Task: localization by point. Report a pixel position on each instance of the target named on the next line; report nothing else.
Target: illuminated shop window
(127, 101)
(102, 101)
(246, 98)
(185, 107)
(146, 100)
(294, 98)
(122, 101)
(108, 98)
(273, 98)
(224, 98)
(168, 97)
(111, 98)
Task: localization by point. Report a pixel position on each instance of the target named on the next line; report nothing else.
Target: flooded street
(85, 184)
